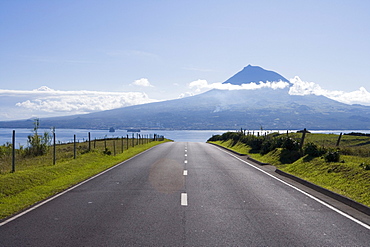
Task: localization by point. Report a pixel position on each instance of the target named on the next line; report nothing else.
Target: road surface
(184, 194)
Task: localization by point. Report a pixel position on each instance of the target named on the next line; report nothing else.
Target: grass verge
(24, 188)
(346, 177)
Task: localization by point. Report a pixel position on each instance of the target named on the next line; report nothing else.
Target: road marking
(186, 155)
(184, 199)
(185, 172)
(67, 190)
(185, 161)
(303, 192)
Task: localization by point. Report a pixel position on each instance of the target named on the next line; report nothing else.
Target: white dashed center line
(185, 172)
(184, 199)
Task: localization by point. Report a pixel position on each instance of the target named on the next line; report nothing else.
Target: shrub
(214, 138)
(38, 145)
(255, 143)
(266, 146)
(332, 156)
(364, 166)
(290, 144)
(107, 151)
(269, 144)
(312, 149)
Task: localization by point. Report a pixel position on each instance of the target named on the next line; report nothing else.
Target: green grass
(351, 145)
(63, 152)
(30, 185)
(346, 177)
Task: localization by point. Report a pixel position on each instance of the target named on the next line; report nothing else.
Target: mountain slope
(224, 109)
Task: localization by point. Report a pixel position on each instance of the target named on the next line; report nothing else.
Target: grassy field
(350, 176)
(36, 178)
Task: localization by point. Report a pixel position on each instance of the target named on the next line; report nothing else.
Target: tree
(38, 144)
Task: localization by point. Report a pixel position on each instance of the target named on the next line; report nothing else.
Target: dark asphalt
(138, 203)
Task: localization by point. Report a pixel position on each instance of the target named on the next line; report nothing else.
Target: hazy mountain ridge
(224, 109)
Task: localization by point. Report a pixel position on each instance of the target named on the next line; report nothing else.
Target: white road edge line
(67, 190)
(184, 199)
(303, 192)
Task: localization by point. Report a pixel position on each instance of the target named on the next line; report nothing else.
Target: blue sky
(158, 48)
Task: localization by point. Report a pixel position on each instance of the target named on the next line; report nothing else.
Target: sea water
(67, 135)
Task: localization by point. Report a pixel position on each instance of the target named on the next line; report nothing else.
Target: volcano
(254, 74)
(225, 109)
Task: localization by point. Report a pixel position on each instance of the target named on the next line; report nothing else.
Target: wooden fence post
(302, 139)
(89, 141)
(74, 146)
(339, 138)
(13, 151)
(54, 148)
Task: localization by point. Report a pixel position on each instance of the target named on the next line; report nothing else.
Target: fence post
(74, 146)
(122, 144)
(302, 139)
(339, 138)
(133, 139)
(89, 141)
(54, 147)
(114, 147)
(13, 151)
(127, 141)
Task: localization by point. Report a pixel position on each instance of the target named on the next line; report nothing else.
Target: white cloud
(203, 84)
(186, 94)
(48, 102)
(360, 96)
(298, 87)
(143, 82)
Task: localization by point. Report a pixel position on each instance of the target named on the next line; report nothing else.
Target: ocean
(66, 135)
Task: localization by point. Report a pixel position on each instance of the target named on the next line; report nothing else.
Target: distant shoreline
(66, 135)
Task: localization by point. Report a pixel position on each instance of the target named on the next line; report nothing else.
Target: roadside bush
(266, 146)
(332, 156)
(38, 144)
(364, 166)
(214, 138)
(255, 144)
(107, 151)
(313, 150)
(290, 144)
(230, 135)
(270, 144)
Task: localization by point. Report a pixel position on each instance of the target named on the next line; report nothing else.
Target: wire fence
(11, 157)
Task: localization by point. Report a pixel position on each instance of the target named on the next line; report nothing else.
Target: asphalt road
(184, 194)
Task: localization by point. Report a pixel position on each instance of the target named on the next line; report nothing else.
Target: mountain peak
(255, 74)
